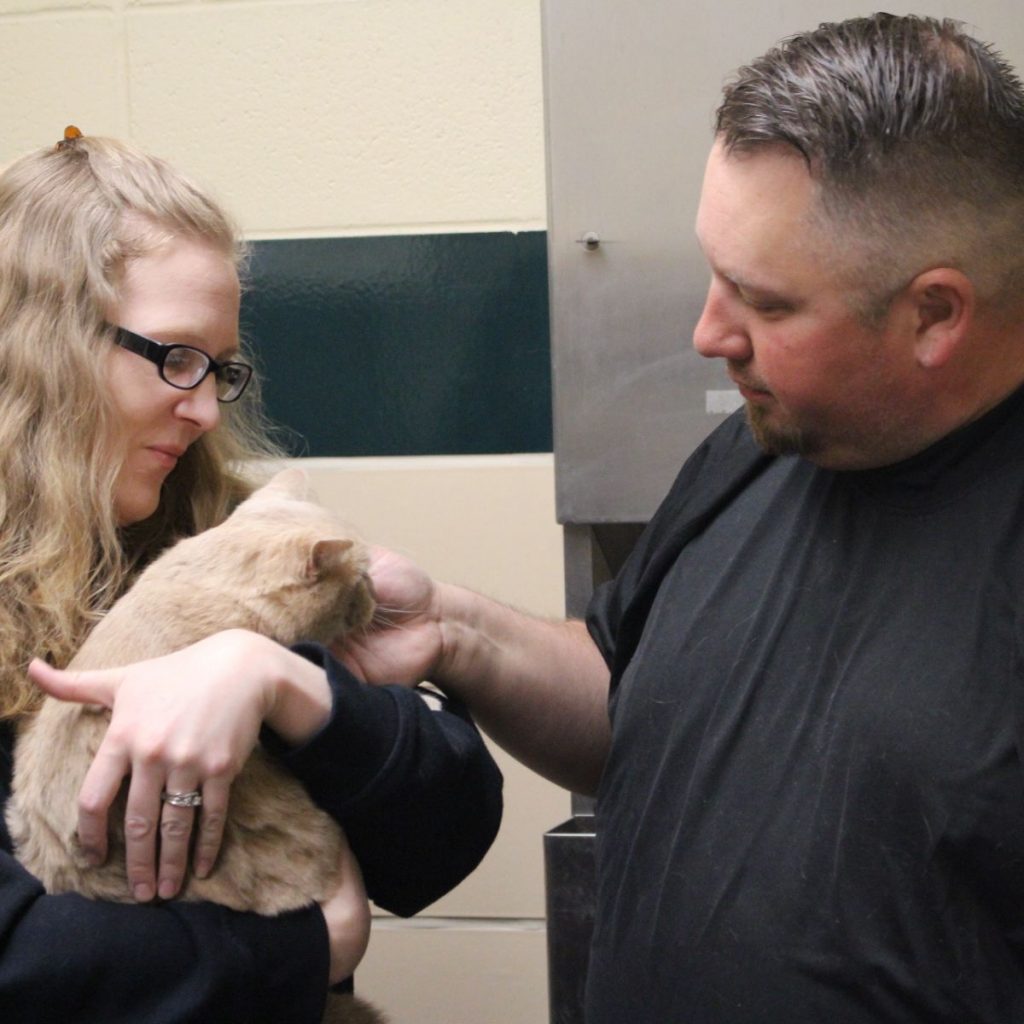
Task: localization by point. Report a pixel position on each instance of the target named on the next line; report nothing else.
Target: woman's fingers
(94, 687)
(160, 819)
(180, 799)
(164, 801)
(211, 825)
(111, 765)
(102, 782)
(141, 821)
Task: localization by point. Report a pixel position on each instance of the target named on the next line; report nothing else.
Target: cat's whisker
(388, 610)
(389, 615)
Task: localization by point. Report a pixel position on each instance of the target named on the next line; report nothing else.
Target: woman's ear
(943, 303)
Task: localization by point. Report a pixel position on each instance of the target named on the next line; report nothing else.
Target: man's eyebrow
(745, 284)
(739, 280)
(764, 291)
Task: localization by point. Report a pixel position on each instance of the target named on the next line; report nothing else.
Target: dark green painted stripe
(404, 345)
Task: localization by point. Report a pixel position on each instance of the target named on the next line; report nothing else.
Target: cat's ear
(328, 558)
(292, 482)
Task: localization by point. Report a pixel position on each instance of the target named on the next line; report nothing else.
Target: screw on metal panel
(589, 241)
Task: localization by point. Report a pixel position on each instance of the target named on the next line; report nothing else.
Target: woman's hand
(183, 723)
(404, 642)
(347, 914)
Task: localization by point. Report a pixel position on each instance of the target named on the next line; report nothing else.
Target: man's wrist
(468, 623)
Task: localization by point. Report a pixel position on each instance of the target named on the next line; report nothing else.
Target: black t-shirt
(814, 805)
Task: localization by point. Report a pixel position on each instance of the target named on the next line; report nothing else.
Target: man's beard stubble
(774, 439)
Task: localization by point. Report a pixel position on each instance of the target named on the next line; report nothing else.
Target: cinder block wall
(351, 120)
(310, 118)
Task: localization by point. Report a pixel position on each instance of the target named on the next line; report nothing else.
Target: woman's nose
(721, 332)
(200, 405)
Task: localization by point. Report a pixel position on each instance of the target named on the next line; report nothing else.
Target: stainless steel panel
(630, 91)
(569, 883)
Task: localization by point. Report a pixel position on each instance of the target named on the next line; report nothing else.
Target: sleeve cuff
(341, 762)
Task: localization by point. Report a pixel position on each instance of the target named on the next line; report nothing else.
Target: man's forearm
(539, 688)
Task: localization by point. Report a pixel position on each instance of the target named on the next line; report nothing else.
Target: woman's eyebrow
(178, 336)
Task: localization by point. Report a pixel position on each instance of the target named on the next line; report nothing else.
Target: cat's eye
(185, 367)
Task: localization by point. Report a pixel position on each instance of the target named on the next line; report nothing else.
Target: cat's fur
(279, 565)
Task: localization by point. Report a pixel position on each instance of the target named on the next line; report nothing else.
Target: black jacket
(420, 800)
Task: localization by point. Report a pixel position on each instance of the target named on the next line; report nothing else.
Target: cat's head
(286, 565)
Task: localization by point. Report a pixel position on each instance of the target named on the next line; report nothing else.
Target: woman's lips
(166, 456)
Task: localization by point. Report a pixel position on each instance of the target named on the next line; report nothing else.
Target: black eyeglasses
(185, 367)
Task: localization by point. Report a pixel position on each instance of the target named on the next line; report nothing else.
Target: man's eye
(765, 306)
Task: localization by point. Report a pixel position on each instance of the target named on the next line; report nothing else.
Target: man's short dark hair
(914, 134)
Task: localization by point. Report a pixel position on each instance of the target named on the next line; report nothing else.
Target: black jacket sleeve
(412, 784)
(66, 958)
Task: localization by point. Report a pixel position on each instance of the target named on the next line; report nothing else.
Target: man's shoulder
(727, 455)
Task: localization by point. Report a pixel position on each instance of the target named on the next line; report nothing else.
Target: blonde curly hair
(69, 224)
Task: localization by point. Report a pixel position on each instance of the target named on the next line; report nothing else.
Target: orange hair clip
(71, 134)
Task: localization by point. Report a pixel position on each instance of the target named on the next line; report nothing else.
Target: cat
(278, 565)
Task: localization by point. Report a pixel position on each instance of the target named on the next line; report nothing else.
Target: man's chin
(775, 438)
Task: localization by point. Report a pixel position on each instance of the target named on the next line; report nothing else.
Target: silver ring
(191, 799)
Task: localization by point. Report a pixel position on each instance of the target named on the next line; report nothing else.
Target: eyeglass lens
(185, 367)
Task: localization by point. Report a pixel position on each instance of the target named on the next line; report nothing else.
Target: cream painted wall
(332, 117)
(355, 117)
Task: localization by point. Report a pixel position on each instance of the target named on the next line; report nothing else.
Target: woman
(110, 448)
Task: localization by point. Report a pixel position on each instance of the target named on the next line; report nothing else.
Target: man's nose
(721, 332)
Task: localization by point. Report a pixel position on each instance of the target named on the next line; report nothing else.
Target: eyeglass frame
(157, 352)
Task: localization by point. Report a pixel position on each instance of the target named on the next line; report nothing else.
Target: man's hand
(404, 643)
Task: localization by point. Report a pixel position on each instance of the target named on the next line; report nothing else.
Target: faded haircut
(913, 132)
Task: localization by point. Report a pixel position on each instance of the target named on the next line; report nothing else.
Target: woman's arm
(416, 790)
(410, 780)
(186, 721)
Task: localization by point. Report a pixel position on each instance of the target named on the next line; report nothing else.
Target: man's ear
(943, 306)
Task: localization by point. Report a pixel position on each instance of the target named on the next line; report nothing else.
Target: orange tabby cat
(279, 565)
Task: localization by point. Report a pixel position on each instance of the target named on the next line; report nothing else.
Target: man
(810, 792)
